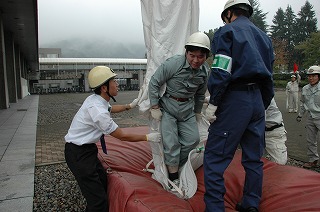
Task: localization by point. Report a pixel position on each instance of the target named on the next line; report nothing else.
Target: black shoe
(242, 209)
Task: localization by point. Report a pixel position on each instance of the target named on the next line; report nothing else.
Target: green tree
(210, 35)
(310, 50)
(258, 17)
(278, 29)
(278, 34)
(279, 47)
(290, 34)
(306, 22)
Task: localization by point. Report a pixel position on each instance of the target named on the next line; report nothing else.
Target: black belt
(273, 127)
(179, 99)
(243, 87)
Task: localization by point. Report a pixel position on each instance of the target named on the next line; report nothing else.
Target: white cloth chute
(188, 180)
(167, 24)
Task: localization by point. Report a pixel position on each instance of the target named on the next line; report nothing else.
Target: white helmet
(314, 70)
(199, 39)
(99, 75)
(242, 4)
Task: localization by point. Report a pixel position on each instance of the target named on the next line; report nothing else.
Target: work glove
(156, 113)
(154, 137)
(198, 117)
(210, 113)
(134, 103)
(299, 118)
(206, 100)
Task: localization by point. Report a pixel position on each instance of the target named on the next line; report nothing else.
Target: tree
(278, 34)
(279, 47)
(278, 29)
(258, 17)
(310, 50)
(290, 34)
(306, 22)
(210, 35)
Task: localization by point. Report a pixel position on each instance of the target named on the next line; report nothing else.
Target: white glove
(154, 137)
(210, 113)
(206, 100)
(156, 114)
(198, 117)
(134, 103)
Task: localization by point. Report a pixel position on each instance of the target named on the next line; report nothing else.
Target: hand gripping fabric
(188, 180)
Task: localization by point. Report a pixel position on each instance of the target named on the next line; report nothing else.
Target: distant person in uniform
(310, 104)
(241, 89)
(91, 122)
(292, 91)
(180, 106)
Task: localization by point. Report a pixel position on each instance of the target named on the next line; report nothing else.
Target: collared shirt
(310, 100)
(243, 53)
(273, 115)
(181, 81)
(91, 121)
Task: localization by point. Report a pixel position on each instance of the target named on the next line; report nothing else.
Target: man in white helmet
(181, 104)
(310, 104)
(91, 122)
(241, 88)
(292, 91)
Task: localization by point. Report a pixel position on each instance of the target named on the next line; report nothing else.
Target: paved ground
(57, 110)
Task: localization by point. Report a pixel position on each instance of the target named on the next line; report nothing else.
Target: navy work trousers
(240, 120)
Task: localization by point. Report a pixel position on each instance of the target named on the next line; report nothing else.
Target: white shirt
(91, 121)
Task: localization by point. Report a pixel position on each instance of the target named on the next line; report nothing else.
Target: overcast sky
(120, 20)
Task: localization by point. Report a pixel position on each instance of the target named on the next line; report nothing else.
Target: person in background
(241, 89)
(179, 108)
(275, 135)
(310, 104)
(91, 122)
(292, 91)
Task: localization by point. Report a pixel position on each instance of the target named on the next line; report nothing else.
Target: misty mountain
(95, 48)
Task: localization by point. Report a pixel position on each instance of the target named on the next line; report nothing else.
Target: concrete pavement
(18, 126)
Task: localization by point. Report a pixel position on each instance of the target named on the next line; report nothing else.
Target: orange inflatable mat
(285, 188)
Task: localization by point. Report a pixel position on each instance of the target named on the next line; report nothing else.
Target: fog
(108, 28)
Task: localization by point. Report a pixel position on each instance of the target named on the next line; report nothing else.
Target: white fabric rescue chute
(167, 24)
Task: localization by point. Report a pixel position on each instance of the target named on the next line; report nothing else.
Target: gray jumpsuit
(184, 96)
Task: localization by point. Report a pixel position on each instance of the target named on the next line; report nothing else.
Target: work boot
(242, 209)
(310, 165)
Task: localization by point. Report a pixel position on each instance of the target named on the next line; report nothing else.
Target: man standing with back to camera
(241, 88)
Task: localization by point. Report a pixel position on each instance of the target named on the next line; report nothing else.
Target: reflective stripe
(222, 62)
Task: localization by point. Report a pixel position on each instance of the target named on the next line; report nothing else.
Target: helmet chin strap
(230, 17)
(111, 96)
(107, 92)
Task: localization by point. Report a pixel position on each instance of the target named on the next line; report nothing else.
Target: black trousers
(90, 175)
